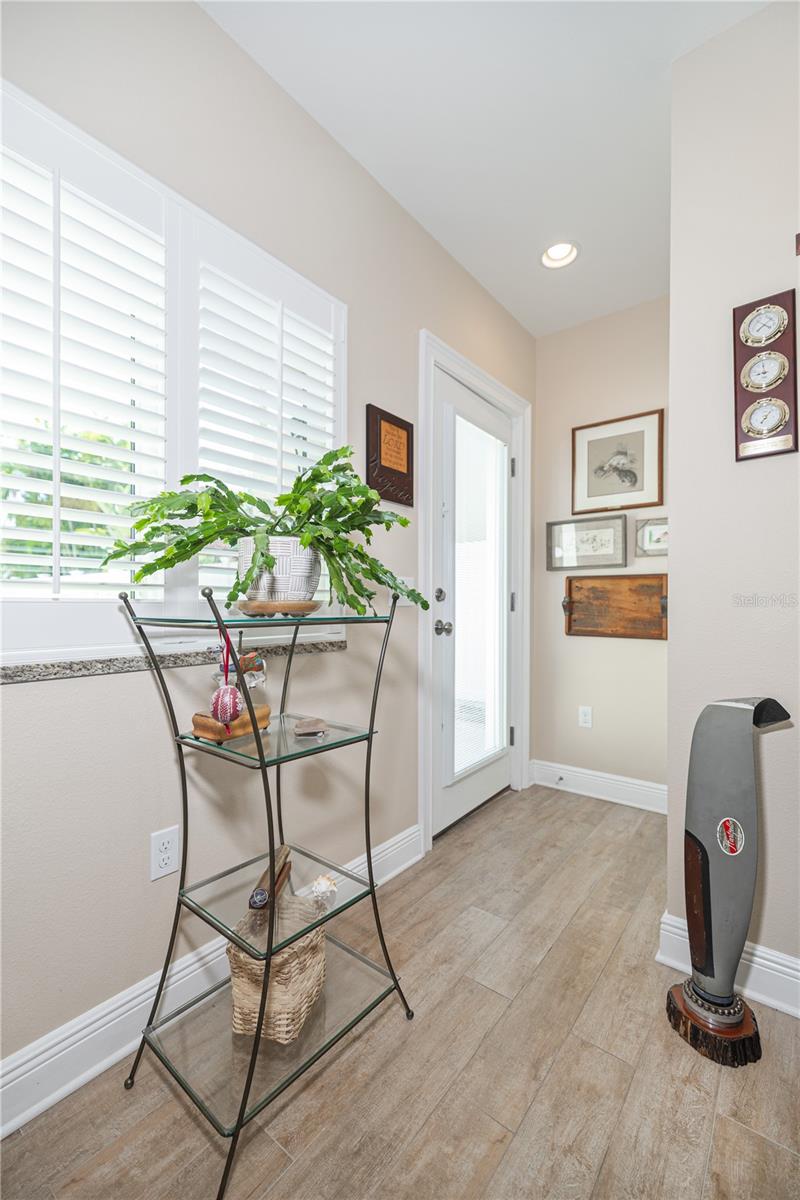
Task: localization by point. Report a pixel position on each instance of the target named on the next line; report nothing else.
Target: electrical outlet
(164, 847)
(585, 716)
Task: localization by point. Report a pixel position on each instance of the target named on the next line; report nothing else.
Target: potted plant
(329, 512)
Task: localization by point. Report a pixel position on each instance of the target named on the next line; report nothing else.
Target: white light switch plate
(585, 716)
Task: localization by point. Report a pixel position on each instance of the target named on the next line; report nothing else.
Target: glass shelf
(281, 743)
(242, 622)
(222, 901)
(198, 1047)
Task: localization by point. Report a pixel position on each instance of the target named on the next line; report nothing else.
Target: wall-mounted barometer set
(765, 382)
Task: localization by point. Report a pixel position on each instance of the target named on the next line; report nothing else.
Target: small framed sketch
(652, 538)
(618, 464)
(595, 542)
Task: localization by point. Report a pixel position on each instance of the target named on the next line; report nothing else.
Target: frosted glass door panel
(479, 723)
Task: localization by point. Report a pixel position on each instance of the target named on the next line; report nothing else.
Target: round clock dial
(765, 417)
(764, 371)
(763, 325)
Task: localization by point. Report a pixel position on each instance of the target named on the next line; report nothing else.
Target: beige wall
(163, 86)
(607, 368)
(735, 526)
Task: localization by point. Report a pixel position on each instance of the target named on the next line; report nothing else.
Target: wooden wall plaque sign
(623, 606)
(765, 376)
(390, 456)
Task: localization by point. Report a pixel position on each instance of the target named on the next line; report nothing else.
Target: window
(142, 341)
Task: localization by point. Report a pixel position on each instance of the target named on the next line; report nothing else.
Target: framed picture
(594, 542)
(618, 464)
(652, 538)
(390, 456)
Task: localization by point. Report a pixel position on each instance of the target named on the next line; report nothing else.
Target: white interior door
(470, 607)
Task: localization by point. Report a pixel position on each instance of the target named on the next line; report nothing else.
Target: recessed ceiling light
(559, 255)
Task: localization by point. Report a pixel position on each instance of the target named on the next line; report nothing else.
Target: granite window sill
(40, 672)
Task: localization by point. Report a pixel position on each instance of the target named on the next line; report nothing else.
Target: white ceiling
(503, 127)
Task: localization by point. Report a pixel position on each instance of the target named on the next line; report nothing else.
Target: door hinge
(513, 602)
(513, 467)
(511, 736)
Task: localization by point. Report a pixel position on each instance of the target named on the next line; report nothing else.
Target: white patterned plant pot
(295, 575)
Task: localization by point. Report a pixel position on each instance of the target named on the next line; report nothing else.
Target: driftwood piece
(282, 869)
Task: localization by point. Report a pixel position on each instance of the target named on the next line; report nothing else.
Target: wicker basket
(296, 977)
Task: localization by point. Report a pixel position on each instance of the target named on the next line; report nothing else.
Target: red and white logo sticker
(730, 836)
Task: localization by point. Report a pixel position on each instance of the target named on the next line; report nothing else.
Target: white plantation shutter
(112, 390)
(238, 403)
(27, 551)
(309, 411)
(84, 400)
(266, 381)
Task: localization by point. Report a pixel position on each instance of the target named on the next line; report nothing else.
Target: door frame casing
(435, 353)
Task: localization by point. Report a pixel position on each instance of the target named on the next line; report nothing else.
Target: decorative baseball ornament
(227, 704)
(720, 857)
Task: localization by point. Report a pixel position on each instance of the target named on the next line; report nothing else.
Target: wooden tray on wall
(623, 606)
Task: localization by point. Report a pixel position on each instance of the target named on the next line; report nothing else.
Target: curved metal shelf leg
(284, 690)
(162, 683)
(367, 831)
(262, 1008)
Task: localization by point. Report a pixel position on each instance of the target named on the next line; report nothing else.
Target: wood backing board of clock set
(765, 377)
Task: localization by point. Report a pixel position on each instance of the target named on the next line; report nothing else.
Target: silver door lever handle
(443, 627)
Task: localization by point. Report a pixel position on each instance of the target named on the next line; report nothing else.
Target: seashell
(324, 888)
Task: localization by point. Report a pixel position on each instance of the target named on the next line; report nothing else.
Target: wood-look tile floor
(540, 1063)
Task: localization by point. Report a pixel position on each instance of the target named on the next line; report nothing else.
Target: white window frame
(53, 629)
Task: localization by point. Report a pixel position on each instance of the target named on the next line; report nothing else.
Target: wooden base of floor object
(731, 1045)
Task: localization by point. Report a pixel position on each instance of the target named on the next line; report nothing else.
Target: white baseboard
(391, 857)
(638, 793)
(42, 1073)
(764, 975)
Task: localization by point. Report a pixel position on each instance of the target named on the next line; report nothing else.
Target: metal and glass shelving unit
(256, 1071)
